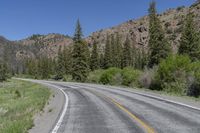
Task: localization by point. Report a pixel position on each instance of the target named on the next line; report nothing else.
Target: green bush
(111, 76)
(179, 75)
(147, 79)
(194, 85)
(130, 77)
(67, 78)
(195, 67)
(94, 76)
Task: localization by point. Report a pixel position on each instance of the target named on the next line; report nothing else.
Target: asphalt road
(100, 109)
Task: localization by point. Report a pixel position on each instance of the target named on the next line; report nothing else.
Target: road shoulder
(194, 102)
(46, 120)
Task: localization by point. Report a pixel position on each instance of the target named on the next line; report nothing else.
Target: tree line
(78, 60)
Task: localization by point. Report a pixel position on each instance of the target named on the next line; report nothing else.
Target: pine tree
(59, 65)
(43, 68)
(140, 59)
(80, 56)
(67, 59)
(3, 71)
(94, 60)
(31, 67)
(190, 41)
(113, 51)
(101, 61)
(158, 45)
(107, 55)
(118, 51)
(127, 53)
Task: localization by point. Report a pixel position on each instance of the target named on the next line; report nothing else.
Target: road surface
(100, 109)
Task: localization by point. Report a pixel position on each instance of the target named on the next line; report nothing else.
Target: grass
(19, 102)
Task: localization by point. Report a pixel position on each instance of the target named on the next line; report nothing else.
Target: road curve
(101, 109)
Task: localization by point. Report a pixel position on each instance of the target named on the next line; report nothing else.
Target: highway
(93, 108)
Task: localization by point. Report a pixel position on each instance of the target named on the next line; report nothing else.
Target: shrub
(194, 89)
(111, 76)
(17, 93)
(130, 77)
(167, 24)
(94, 76)
(180, 22)
(147, 79)
(194, 81)
(195, 67)
(169, 31)
(172, 74)
(67, 78)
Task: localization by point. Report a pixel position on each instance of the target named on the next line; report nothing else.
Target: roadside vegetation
(156, 67)
(19, 102)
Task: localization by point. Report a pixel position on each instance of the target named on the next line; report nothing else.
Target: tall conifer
(127, 53)
(94, 60)
(80, 56)
(190, 41)
(158, 45)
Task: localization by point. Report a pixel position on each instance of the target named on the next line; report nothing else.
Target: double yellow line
(146, 127)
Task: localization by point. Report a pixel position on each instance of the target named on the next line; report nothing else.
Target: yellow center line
(147, 127)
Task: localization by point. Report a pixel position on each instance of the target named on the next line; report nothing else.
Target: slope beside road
(101, 109)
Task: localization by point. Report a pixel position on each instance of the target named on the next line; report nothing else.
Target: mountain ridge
(36, 46)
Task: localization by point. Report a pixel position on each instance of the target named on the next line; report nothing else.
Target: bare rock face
(137, 30)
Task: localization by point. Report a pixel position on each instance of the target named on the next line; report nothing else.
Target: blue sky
(22, 18)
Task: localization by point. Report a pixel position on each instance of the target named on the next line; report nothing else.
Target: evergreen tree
(140, 59)
(94, 61)
(80, 56)
(59, 65)
(107, 55)
(43, 68)
(31, 67)
(113, 51)
(158, 45)
(67, 59)
(118, 51)
(101, 61)
(3, 71)
(190, 42)
(78, 33)
(127, 53)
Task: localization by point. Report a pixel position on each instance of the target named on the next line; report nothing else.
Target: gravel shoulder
(45, 120)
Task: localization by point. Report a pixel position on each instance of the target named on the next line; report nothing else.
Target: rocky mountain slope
(137, 30)
(39, 45)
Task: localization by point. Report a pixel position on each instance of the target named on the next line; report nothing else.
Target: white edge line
(146, 95)
(58, 124)
(170, 101)
(150, 96)
(162, 99)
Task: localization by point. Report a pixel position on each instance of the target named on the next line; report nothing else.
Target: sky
(22, 18)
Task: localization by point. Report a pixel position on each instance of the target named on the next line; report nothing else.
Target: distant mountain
(137, 30)
(48, 45)
(15, 52)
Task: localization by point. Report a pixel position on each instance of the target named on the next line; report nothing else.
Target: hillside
(44, 44)
(137, 30)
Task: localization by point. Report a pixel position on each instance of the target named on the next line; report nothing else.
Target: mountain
(15, 52)
(137, 30)
(39, 45)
